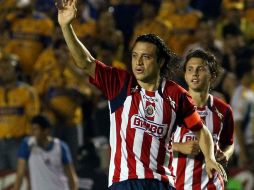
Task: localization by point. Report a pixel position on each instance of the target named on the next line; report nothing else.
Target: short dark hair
(42, 121)
(163, 52)
(207, 57)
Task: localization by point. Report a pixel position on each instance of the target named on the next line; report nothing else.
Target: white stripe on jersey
(153, 156)
(204, 178)
(155, 143)
(113, 143)
(138, 141)
(189, 175)
(139, 165)
(209, 120)
(124, 155)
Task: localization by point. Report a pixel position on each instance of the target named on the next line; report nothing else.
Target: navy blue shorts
(141, 184)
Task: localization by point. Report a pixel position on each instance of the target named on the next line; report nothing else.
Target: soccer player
(49, 160)
(200, 70)
(144, 108)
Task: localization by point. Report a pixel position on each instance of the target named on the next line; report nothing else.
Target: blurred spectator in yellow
(148, 21)
(29, 31)
(240, 13)
(109, 40)
(184, 20)
(85, 24)
(18, 103)
(205, 38)
(248, 17)
(62, 94)
(6, 7)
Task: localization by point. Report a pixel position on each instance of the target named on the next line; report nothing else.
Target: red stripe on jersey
(162, 148)
(197, 173)
(216, 124)
(130, 134)
(180, 173)
(170, 162)
(210, 185)
(181, 164)
(161, 159)
(147, 139)
(117, 159)
(145, 154)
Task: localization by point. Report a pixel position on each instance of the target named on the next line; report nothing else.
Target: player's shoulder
(173, 87)
(220, 104)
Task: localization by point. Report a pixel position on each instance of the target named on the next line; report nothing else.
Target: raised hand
(66, 11)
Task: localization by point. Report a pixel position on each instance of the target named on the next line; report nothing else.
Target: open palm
(66, 11)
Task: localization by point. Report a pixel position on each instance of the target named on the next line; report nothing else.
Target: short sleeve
(109, 80)
(191, 118)
(65, 154)
(24, 150)
(226, 136)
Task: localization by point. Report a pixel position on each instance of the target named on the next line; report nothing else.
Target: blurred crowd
(36, 73)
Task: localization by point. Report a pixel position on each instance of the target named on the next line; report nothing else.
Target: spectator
(19, 102)
(49, 160)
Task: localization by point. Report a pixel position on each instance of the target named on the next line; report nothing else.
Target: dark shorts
(141, 184)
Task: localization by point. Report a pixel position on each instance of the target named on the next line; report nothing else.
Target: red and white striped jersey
(190, 170)
(142, 123)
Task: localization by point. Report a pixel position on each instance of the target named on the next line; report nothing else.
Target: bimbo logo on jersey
(191, 137)
(154, 129)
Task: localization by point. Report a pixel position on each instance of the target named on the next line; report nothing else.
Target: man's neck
(199, 98)
(45, 143)
(150, 86)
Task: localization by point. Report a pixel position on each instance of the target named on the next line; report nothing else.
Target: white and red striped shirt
(142, 123)
(190, 170)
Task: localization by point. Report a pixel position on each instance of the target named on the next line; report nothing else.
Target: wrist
(210, 159)
(65, 26)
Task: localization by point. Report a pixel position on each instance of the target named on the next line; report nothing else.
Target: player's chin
(139, 77)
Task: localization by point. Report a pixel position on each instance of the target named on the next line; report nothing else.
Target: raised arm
(82, 57)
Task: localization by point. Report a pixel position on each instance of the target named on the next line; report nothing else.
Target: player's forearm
(80, 53)
(72, 176)
(21, 168)
(206, 144)
(73, 183)
(18, 182)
